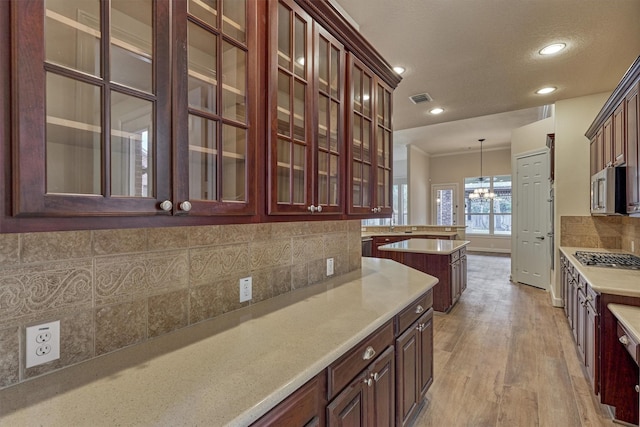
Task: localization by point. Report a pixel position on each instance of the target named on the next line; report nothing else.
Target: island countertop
(426, 246)
(629, 316)
(229, 370)
(614, 281)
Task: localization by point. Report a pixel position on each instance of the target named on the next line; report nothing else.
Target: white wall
(454, 168)
(418, 183)
(572, 118)
(529, 138)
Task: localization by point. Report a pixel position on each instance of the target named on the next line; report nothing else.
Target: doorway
(533, 220)
(444, 199)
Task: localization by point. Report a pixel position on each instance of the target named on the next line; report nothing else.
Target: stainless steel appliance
(607, 259)
(609, 191)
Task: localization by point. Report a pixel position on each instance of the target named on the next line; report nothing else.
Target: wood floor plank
(504, 356)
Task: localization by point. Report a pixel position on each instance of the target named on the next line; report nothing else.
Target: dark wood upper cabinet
(370, 142)
(632, 112)
(185, 112)
(607, 143)
(306, 146)
(619, 135)
(91, 114)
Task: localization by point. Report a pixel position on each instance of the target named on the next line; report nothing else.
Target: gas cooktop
(606, 259)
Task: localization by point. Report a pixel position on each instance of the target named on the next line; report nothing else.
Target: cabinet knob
(419, 309)
(313, 209)
(367, 381)
(166, 205)
(375, 377)
(375, 210)
(185, 206)
(319, 208)
(637, 387)
(368, 353)
(624, 339)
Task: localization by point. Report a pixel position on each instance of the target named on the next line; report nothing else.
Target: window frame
(491, 214)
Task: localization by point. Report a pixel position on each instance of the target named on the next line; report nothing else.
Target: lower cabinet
(368, 400)
(381, 381)
(582, 316)
(414, 367)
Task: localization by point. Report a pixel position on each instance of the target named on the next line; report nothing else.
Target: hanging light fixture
(481, 192)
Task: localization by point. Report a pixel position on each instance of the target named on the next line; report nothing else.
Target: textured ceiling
(479, 58)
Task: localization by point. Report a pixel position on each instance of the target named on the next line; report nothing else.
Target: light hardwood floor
(504, 356)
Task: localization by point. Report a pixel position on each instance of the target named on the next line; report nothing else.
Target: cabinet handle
(367, 381)
(374, 210)
(311, 209)
(420, 327)
(166, 205)
(637, 387)
(185, 206)
(419, 309)
(375, 377)
(589, 298)
(368, 353)
(319, 208)
(624, 340)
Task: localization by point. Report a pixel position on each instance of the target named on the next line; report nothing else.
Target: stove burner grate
(607, 259)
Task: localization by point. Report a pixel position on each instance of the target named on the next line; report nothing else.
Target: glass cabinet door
(361, 139)
(329, 152)
(290, 133)
(214, 152)
(371, 144)
(91, 118)
(384, 149)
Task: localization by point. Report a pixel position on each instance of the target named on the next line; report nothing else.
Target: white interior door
(533, 220)
(444, 199)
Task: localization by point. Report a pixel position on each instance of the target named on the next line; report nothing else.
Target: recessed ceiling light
(399, 69)
(437, 110)
(552, 48)
(546, 90)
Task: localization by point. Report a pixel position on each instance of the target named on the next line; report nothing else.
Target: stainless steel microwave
(608, 191)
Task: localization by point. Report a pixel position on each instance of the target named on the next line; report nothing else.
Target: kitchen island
(230, 370)
(444, 259)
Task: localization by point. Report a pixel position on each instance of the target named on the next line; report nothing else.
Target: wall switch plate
(329, 266)
(245, 289)
(43, 343)
(633, 246)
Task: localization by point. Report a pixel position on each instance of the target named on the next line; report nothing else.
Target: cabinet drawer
(342, 371)
(463, 251)
(455, 256)
(413, 312)
(627, 340)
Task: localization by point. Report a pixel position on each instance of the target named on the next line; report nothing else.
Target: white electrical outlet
(43, 343)
(414, 228)
(329, 266)
(245, 289)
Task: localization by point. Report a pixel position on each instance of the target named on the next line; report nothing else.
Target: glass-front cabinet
(214, 147)
(95, 113)
(370, 137)
(305, 148)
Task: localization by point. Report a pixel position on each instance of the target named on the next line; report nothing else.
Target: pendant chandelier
(481, 192)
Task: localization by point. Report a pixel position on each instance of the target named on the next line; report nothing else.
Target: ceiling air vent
(420, 98)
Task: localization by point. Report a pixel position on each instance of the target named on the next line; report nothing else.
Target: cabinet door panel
(382, 390)
(619, 135)
(632, 122)
(407, 363)
(426, 352)
(348, 409)
(92, 118)
(607, 143)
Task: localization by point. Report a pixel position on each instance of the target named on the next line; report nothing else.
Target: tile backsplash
(115, 288)
(611, 232)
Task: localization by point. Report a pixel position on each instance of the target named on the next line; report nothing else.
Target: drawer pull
(367, 381)
(368, 353)
(376, 377)
(624, 340)
(419, 309)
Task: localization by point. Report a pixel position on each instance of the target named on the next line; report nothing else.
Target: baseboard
(555, 300)
(490, 250)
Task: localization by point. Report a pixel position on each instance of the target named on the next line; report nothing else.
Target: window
(488, 216)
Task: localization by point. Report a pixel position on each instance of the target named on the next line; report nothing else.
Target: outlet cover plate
(43, 343)
(329, 266)
(245, 289)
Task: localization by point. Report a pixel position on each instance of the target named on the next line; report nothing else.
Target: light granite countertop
(426, 246)
(226, 371)
(615, 281)
(629, 316)
(409, 234)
